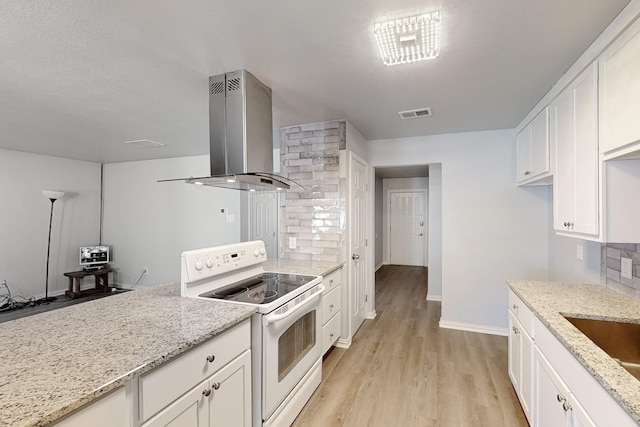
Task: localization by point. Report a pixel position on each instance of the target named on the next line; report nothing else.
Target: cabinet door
(550, 395)
(230, 398)
(514, 352)
(526, 374)
(563, 177)
(523, 146)
(540, 143)
(620, 91)
(585, 115)
(579, 417)
(188, 411)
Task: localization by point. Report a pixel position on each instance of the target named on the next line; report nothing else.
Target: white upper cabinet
(574, 138)
(620, 96)
(533, 151)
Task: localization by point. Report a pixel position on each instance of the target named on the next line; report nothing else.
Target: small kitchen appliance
(286, 330)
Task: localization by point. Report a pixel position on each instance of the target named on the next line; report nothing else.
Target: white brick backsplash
(310, 155)
(610, 266)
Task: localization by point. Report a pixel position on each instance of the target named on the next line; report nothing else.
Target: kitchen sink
(619, 340)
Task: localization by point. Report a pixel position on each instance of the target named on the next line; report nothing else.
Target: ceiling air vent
(414, 114)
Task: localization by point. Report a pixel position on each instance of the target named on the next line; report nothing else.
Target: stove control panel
(206, 263)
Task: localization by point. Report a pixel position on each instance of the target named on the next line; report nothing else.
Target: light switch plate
(625, 267)
(292, 242)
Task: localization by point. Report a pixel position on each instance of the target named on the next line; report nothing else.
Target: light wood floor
(403, 370)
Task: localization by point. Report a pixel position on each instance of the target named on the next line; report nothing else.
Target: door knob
(355, 257)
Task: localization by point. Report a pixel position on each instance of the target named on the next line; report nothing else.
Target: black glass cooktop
(261, 289)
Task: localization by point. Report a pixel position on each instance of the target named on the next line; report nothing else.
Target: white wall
(24, 216)
(378, 227)
(149, 224)
(403, 184)
(564, 265)
(434, 291)
(491, 229)
(356, 142)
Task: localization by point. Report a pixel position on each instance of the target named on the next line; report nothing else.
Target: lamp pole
(53, 196)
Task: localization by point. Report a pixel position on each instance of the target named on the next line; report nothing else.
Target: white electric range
(286, 330)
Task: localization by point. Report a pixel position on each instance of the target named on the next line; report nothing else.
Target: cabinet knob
(515, 330)
(331, 335)
(211, 358)
(331, 282)
(215, 386)
(566, 407)
(515, 306)
(331, 307)
(527, 173)
(206, 392)
(561, 398)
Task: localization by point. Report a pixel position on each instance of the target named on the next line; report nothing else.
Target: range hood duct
(240, 136)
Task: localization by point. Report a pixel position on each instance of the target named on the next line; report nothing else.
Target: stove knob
(199, 265)
(209, 263)
(262, 251)
(256, 252)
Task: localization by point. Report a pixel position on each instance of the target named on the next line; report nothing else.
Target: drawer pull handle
(206, 392)
(215, 386)
(211, 358)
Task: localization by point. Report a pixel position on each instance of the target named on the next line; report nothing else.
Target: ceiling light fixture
(145, 143)
(411, 39)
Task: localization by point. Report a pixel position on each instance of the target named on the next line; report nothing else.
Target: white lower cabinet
(209, 385)
(556, 405)
(112, 410)
(331, 309)
(553, 387)
(222, 400)
(521, 357)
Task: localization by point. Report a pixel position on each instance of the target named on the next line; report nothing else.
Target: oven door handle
(272, 318)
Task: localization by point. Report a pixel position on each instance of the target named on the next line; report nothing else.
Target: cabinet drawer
(332, 280)
(165, 384)
(331, 333)
(330, 304)
(521, 312)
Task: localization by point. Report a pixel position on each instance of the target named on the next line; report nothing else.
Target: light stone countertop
(549, 301)
(317, 268)
(55, 362)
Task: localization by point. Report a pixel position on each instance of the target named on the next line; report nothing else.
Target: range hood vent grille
(233, 84)
(216, 87)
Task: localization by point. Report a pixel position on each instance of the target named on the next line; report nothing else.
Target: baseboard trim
(371, 315)
(343, 343)
(470, 327)
(434, 297)
(379, 266)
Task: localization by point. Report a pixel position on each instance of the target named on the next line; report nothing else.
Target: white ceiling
(77, 78)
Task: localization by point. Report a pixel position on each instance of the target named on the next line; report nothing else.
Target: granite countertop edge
(616, 380)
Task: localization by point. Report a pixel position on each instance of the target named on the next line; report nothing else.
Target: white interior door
(406, 227)
(263, 224)
(358, 227)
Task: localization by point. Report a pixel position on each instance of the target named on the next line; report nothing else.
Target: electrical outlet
(580, 252)
(145, 270)
(292, 242)
(625, 267)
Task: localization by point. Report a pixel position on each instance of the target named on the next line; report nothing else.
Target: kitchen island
(550, 302)
(58, 361)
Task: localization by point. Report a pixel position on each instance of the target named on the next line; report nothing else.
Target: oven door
(291, 345)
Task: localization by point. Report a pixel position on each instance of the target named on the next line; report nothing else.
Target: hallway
(403, 370)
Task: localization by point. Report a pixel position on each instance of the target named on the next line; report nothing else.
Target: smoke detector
(414, 114)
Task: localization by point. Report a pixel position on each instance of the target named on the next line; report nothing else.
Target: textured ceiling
(78, 78)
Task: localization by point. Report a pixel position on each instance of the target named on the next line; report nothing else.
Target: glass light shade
(411, 39)
(53, 194)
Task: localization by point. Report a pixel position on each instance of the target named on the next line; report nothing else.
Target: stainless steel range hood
(241, 136)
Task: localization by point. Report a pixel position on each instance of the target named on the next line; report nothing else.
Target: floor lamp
(53, 196)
